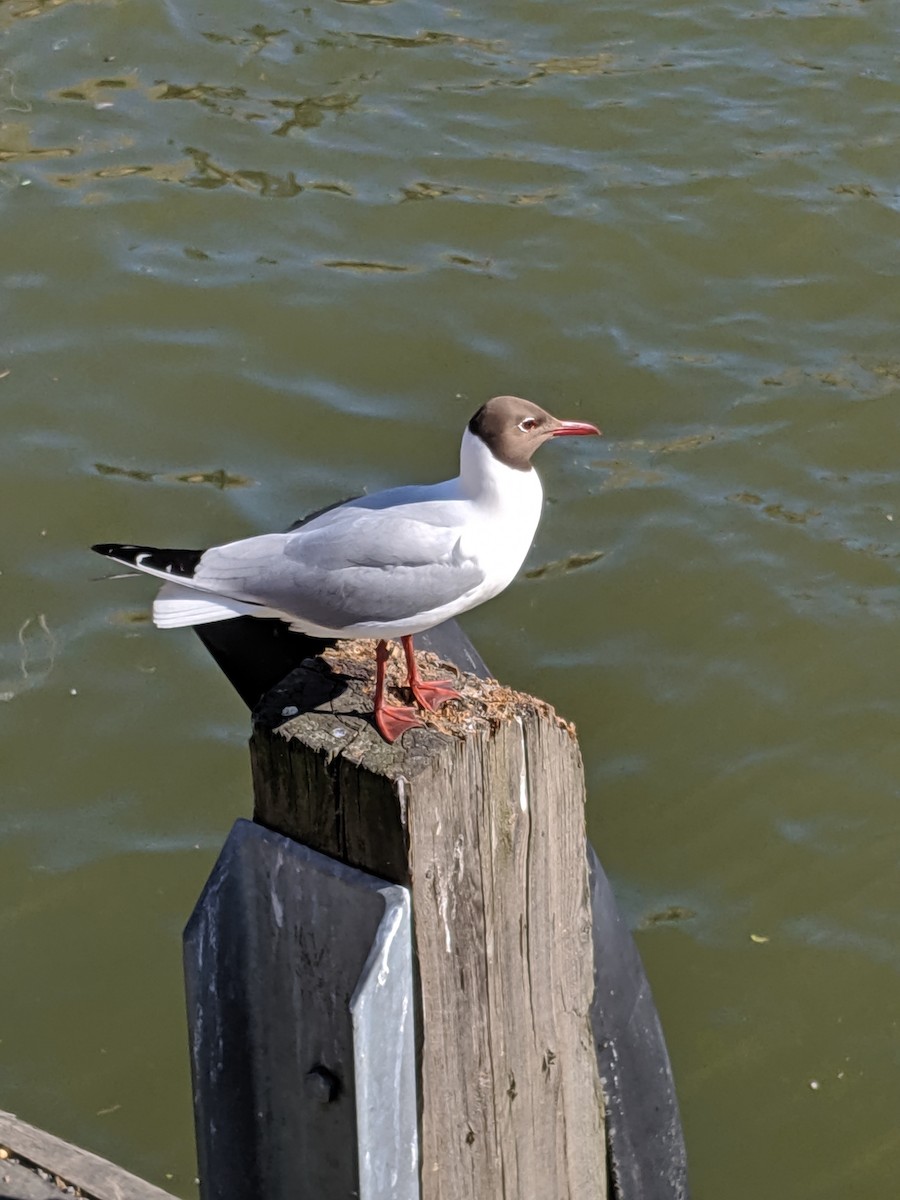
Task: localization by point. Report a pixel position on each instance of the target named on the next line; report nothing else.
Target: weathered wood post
(481, 817)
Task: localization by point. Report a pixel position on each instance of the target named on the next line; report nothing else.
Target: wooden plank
(299, 982)
(94, 1176)
(18, 1182)
(485, 822)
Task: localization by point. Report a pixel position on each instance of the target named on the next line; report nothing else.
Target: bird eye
(527, 424)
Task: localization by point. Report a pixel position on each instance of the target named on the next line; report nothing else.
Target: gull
(384, 566)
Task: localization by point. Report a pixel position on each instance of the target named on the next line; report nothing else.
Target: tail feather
(177, 605)
(181, 600)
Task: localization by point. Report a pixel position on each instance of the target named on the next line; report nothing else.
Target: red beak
(574, 428)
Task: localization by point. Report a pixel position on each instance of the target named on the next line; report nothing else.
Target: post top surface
(327, 704)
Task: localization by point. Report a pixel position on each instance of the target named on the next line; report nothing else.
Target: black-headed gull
(384, 566)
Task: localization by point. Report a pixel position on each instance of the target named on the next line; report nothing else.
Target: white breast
(505, 509)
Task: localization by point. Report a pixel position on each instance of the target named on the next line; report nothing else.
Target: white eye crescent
(527, 424)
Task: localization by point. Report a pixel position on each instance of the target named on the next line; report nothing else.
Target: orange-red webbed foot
(392, 720)
(431, 694)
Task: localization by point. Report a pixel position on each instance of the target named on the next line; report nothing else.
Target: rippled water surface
(257, 255)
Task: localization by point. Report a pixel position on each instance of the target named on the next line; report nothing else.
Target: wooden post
(481, 815)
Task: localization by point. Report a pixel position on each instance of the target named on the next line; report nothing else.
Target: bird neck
(485, 479)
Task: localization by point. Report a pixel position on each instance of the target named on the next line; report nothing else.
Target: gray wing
(353, 565)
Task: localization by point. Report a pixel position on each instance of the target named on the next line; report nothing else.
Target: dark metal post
(300, 1008)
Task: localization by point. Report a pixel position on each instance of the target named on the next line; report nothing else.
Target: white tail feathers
(177, 605)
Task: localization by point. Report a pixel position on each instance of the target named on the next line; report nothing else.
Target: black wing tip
(121, 550)
(180, 564)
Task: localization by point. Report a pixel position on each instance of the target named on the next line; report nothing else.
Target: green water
(257, 255)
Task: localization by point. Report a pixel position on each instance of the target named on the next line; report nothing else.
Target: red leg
(429, 694)
(390, 719)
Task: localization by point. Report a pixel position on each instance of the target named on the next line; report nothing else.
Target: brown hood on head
(512, 429)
